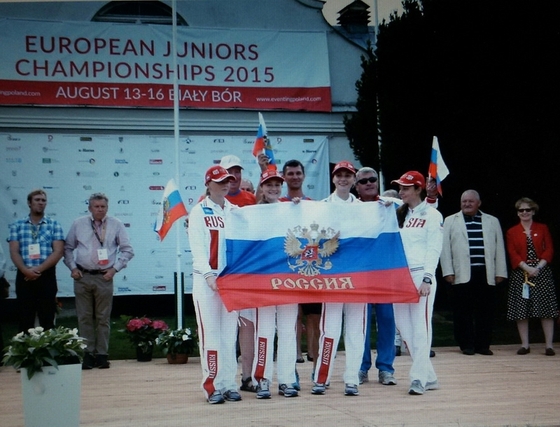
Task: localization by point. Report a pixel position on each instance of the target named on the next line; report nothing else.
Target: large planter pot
(52, 397)
(177, 358)
(144, 356)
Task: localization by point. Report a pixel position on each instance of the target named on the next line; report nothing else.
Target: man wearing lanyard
(97, 247)
(36, 245)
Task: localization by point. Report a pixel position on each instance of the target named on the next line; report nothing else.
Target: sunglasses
(371, 179)
(525, 210)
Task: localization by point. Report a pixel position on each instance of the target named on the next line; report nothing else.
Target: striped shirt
(476, 241)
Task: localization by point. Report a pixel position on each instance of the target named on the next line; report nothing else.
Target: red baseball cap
(411, 178)
(344, 165)
(217, 173)
(270, 174)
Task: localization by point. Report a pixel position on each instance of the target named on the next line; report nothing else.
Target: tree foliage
(361, 128)
(483, 77)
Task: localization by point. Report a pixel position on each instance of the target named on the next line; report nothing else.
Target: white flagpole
(179, 292)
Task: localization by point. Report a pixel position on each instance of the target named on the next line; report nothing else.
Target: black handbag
(4, 288)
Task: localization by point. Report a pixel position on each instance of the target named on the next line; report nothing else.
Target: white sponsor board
(132, 171)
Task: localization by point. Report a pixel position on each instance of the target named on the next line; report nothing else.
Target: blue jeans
(385, 338)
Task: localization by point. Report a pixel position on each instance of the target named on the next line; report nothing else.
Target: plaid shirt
(44, 233)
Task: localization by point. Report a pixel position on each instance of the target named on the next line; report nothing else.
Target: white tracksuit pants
(414, 322)
(355, 317)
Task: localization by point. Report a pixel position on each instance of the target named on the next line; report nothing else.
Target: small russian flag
(172, 208)
(438, 170)
(262, 144)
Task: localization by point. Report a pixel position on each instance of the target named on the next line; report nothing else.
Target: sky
(331, 8)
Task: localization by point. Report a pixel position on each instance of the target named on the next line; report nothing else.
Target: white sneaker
(416, 388)
(432, 385)
(318, 389)
(351, 390)
(287, 391)
(263, 390)
(387, 378)
(363, 377)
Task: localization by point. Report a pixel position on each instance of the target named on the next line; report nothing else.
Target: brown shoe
(549, 352)
(524, 350)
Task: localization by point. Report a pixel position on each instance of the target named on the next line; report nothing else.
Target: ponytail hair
(401, 214)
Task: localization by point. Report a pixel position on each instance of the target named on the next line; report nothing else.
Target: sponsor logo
(13, 148)
(121, 161)
(156, 187)
(190, 187)
(156, 161)
(126, 224)
(159, 288)
(124, 289)
(14, 160)
(123, 202)
(86, 150)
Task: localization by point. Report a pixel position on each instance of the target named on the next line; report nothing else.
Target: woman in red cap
(217, 328)
(272, 319)
(421, 230)
(344, 178)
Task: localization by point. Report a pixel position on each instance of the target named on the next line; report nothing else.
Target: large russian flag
(172, 208)
(285, 253)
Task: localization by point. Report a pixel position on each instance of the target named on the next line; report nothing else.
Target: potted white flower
(50, 362)
(177, 344)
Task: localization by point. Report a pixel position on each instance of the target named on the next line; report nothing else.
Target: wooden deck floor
(500, 390)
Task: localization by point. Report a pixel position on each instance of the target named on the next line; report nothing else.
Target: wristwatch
(427, 280)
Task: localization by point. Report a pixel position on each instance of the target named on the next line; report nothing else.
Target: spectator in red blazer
(531, 289)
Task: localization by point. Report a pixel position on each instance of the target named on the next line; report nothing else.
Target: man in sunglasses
(473, 260)
(367, 187)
